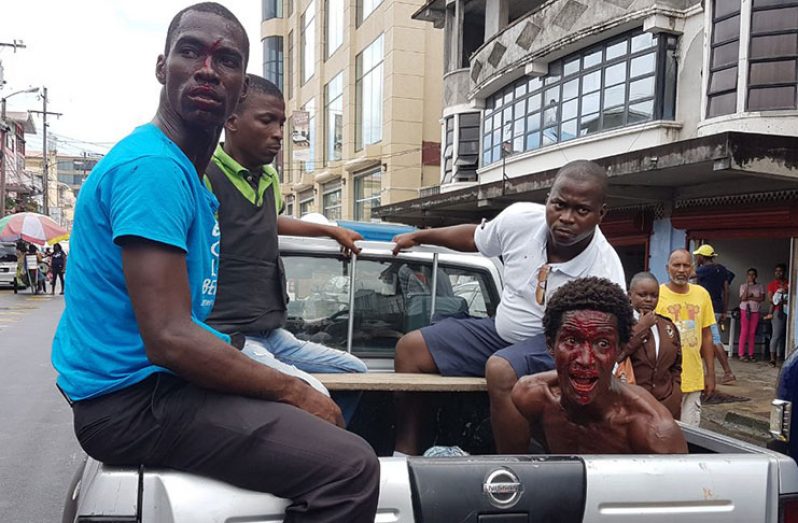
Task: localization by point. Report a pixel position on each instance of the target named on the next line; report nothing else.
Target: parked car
(364, 304)
(8, 263)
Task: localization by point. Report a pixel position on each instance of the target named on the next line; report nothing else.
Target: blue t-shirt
(712, 276)
(145, 187)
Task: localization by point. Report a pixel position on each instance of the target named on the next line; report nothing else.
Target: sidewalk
(743, 408)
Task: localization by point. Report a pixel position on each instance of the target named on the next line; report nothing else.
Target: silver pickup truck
(364, 305)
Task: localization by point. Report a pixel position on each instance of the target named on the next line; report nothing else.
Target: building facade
(361, 80)
(12, 155)
(691, 106)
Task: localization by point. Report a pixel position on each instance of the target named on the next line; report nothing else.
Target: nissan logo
(503, 488)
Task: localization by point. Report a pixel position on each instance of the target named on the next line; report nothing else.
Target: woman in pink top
(752, 294)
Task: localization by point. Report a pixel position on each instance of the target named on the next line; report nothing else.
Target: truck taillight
(788, 509)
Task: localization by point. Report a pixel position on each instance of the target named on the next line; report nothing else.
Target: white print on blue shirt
(209, 285)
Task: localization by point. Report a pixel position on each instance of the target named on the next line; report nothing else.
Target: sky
(97, 60)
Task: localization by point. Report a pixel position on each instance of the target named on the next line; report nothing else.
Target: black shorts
(461, 347)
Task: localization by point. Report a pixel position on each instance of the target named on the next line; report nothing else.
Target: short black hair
(585, 170)
(641, 276)
(258, 84)
(206, 7)
(782, 266)
(756, 272)
(589, 294)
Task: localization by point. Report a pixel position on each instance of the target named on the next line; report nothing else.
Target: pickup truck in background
(364, 304)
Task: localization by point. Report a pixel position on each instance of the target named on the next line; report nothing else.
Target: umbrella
(31, 227)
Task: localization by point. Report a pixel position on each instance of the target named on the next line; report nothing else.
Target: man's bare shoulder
(531, 394)
(652, 429)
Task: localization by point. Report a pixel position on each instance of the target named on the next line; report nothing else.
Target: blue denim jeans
(282, 351)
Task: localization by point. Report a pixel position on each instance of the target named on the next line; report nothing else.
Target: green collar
(237, 174)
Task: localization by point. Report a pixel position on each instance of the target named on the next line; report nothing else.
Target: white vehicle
(8, 263)
(365, 305)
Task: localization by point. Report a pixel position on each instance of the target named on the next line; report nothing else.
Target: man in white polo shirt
(542, 247)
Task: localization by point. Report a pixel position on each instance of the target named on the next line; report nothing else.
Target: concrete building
(363, 94)
(690, 105)
(12, 154)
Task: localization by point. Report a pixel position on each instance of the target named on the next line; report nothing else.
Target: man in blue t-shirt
(150, 383)
(715, 278)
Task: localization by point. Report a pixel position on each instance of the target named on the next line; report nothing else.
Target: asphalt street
(38, 449)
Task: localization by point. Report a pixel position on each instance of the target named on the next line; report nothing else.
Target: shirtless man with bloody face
(580, 407)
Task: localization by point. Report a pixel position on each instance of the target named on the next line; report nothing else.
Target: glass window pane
(614, 96)
(520, 109)
(507, 132)
(568, 130)
(726, 54)
(518, 144)
(771, 98)
(591, 59)
(612, 118)
(616, 50)
(533, 103)
(486, 158)
(550, 136)
(643, 88)
(550, 116)
(569, 109)
(589, 124)
(552, 96)
(723, 80)
(774, 46)
(641, 112)
(591, 82)
(772, 73)
(518, 128)
(643, 41)
(497, 151)
(508, 97)
(507, 115)
(571, 67)
(532, 141)
(775, 20)
(520, 90)
(570, 89)
(533, 122)
(722, 104)
(726, 7)
(535, 84)
(590, 103)
(555, 71)
(728, 29)
(642, 65)
(615, 74)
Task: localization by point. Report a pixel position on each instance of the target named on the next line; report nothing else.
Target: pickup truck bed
(721, 480)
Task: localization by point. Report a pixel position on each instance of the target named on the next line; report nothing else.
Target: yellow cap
(706, 250)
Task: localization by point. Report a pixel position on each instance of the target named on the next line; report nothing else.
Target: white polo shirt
(519, 236)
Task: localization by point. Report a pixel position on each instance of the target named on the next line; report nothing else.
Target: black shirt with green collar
(251, 295)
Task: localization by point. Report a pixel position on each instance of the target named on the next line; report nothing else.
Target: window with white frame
(306, 201)
(367, 189)
(773, 72)
(334, 26)
(333, 118)
(621, 82)
(288, 208)
(365, 8)
(273, 60)
(308, 42)
(369, 82)
(723, 58)
(331, 196)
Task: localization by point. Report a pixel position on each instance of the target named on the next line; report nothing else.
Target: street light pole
(45, 171)
(3, 130)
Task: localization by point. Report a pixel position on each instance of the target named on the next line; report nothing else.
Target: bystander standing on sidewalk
(778, 290)
(752, 294)
(58, 265)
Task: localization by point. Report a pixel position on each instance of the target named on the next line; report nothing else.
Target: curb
(752, 422)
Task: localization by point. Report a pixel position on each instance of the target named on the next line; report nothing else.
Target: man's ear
(602, 211)
(231, 124)
(160, 69)
(244, 90)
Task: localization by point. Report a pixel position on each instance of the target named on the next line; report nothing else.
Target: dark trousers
(330, 475)
(58, 275)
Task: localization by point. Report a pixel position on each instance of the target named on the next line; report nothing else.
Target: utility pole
(45, 170)
(4, 128)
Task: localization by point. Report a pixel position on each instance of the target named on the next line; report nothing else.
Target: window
(448, 150)
(368, 118)
(273, 60)
(333, 118)
(289, 68)
(365, 8)
(473, 30)
(288, 209)
(306, 201)
(461, 156)
(331, 200)
(724, 55)
(367, 194)
(391, 298)
(308, 42)
(612, 85)
(772, 74)
(272, 9)
(334, 26)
